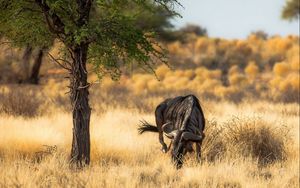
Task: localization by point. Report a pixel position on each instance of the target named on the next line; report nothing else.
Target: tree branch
(60, 64)
(54, 22)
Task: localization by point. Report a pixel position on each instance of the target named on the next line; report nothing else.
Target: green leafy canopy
(291, 10)
(113, 37)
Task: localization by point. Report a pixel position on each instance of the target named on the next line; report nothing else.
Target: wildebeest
(182, 120)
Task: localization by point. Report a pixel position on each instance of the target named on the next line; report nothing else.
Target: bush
(244, 137)
(252, 69)
(19, 102)
(213, 147)
(281, 69)
(257, 139)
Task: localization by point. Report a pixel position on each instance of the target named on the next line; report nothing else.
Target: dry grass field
(249, 144)
(248, 89)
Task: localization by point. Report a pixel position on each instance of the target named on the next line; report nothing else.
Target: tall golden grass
(249, 90)
(247, 145)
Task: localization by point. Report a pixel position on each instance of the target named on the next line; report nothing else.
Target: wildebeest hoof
(164, 149)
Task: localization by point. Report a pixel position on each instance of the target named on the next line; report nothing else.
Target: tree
(155, 18)
(35, 70)
(291, 10)
(260, 34)
(18, 25)
(193, 29)
(187, 33)
(94, 31)
(31, 74)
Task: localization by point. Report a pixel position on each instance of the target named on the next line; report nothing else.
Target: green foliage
(115, 35)
(22, 23)
(291, 10)
(153, 19)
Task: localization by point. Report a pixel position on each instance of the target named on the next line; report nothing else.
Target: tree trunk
(26, 62)
(34, 77)
(80, 153)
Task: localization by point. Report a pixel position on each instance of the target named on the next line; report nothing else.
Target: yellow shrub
(181, 83)
(252, 69)
(201, 44)
(215, 74)
(199, 79)
(179, 73)
(189, 74)
(193, 84)
(4, 89)
(107, 83)
(161, 71)
(169, 81)
(237, 79)
(220, 91)
(295, 64)
(154, 85)
(234, 70)
(140, 86)
(284, 85)
(200, 71)
(294, 81)
(281, 69)
(275, 82)
(136, 77)
(210, 85)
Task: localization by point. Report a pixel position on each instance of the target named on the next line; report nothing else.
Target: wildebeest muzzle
(182, 141)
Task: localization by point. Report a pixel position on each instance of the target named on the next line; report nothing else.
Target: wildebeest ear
(167, 127)
(191, 137)
(168, 130)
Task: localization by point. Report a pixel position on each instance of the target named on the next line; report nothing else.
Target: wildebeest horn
(168, 130)
(188, 136)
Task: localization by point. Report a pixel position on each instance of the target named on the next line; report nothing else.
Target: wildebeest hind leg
(159, 122)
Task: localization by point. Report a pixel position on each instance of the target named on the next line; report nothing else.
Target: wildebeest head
(182, 141)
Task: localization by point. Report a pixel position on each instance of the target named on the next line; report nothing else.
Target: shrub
(237, 79)
(257, 139)
(252, 69)
(20, 102)
(234, 70)
(161, 71)
(213, 146)
(295, 64)
(281, 69)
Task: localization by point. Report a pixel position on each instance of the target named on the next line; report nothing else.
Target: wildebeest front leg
(164, 145)
(170, 145)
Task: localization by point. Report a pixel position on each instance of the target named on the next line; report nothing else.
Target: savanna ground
(249, 91)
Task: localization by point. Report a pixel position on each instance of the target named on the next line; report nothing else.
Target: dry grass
(21, 102)
(122, 158)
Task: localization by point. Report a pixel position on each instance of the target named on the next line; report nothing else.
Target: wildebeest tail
(146, 127)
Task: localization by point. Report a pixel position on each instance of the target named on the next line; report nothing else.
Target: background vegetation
(249, 91)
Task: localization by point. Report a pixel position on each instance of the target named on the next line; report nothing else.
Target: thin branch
(83, 87)
(57, 61)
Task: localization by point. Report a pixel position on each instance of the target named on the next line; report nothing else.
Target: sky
(236, 18)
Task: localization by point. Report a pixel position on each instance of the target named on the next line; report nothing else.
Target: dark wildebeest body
(182, 120)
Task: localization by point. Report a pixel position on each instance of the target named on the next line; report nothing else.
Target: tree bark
(26, 62)
(34, 77)
(80, 152)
